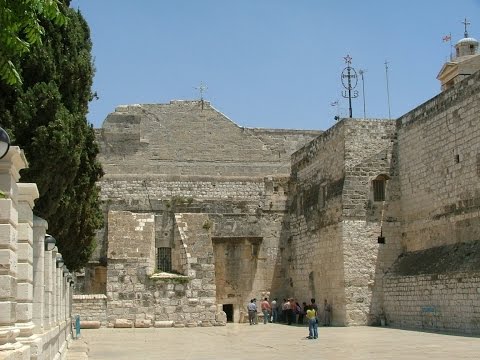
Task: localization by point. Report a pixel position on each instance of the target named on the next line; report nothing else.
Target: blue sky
(272, 63)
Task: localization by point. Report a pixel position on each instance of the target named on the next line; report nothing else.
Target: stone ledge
(174, 278)
(89, 297)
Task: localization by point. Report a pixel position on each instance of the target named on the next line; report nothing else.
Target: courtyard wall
(438, 167)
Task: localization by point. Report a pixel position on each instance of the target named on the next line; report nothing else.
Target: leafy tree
(20, 28)
(46, 117)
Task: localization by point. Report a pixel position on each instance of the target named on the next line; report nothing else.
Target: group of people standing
(290, 312)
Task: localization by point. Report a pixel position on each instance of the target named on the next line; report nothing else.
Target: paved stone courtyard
(272, 341)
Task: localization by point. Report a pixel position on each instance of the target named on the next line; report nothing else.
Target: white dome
(467, 40)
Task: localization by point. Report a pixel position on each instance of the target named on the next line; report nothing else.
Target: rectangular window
(378, 190)
(164, 259)
(322, 196)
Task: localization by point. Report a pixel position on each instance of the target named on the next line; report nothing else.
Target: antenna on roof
(388, 90)
(202, 88)
(361, 72)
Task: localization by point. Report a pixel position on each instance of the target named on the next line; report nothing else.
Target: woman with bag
(312, 323)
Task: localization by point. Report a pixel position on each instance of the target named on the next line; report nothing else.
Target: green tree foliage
(46, 117)
(20, 28)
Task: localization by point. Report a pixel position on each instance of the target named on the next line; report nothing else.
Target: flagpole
(451, 46)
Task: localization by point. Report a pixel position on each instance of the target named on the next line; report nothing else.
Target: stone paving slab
(77, 350)
(273, 341)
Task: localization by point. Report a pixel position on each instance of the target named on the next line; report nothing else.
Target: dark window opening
(228, 308)
(457, 159)
(275, 189)
(322, 196)
(255, 249)
(379, 189)
(164, 259)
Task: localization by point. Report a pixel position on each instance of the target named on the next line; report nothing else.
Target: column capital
(28, 192)
(14, 161)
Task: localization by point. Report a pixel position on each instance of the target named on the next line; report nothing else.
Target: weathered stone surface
(221, 316)
(305, 223)
(123, 323)
(163, 324)
(143, 323)
(90, 324)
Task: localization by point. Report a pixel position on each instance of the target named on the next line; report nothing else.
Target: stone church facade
(380, 217)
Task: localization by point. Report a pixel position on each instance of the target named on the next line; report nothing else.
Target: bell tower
(465, 62)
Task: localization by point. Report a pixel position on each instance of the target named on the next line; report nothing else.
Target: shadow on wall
(385, 215)
(236, 263)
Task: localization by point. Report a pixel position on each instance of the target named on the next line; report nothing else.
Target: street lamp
(60, 262)
(49, 242)
(4, 143)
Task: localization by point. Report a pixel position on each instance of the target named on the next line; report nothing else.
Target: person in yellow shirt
(312, 322)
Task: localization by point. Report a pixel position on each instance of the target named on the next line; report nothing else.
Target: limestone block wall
(447, 302)
(436, 288)
(313, 253)
(148, 191)
(334, 218)
(91, 308)
(247, 257)
(190, 138)
(439, 161)
(138, 297)
(165, 195)
(369, 152)
(438, 167)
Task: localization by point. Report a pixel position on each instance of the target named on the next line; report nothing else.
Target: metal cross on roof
(466, 23)
(202, 88)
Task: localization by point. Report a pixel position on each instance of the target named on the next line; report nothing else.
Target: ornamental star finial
(348, 59)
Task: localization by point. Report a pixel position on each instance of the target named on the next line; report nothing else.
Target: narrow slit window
(322, 196)
(379, 190)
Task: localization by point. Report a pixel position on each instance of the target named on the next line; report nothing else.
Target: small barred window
(164, 259)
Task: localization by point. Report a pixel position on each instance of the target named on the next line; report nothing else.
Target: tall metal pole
(361, 72)
(349, 92)
(388, 90)
(349, 73)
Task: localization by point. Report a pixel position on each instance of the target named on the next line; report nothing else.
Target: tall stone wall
(369, 152)
(438, 167)
(439, 161)
(314, 251)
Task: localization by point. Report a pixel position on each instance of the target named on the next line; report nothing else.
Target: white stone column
(39, 231)
(50, 258)
(68, 310)
(26, 196)
(58, 305)
(58, 294)
(10, 166)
